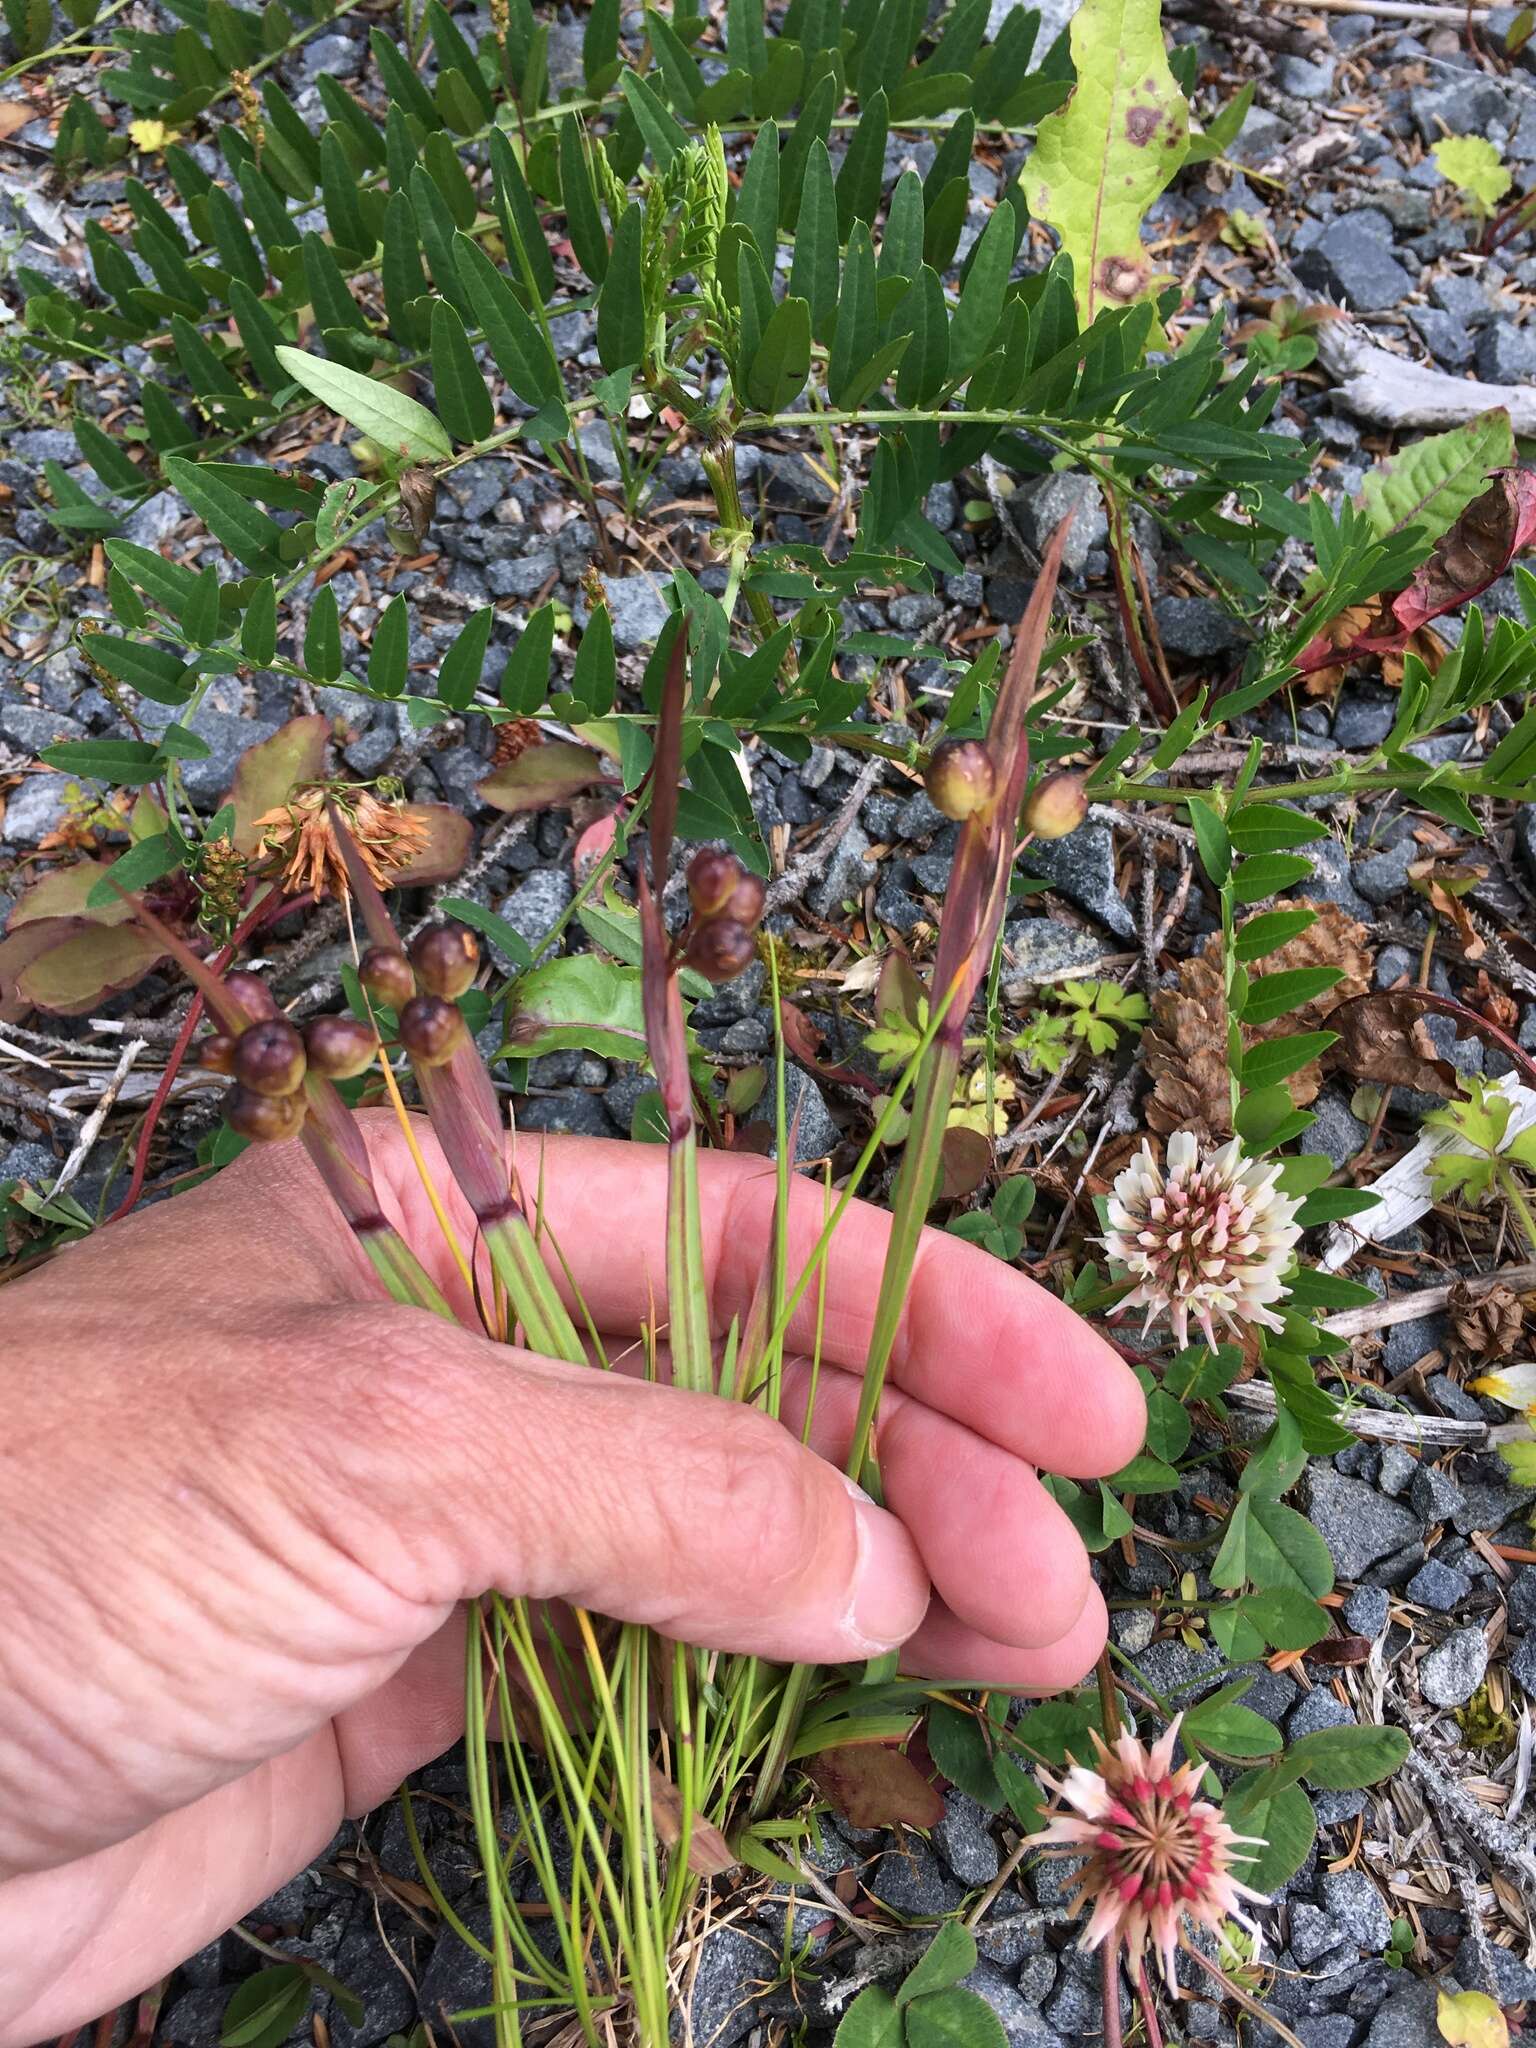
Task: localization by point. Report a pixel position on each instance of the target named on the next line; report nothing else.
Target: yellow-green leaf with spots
(1100, 160)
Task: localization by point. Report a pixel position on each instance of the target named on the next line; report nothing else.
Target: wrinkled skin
(245, 1499)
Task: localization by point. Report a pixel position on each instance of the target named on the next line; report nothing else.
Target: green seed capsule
(339, 1047)
(269, 1057)
(445, 957)
(265, 1119)
(387, 974)
(1057, 805)
(431, 1030)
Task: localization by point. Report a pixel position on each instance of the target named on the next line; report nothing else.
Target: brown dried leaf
(1185, 1047)
(1387, 1041)
(874, 1785)
(965, 1159)
(1186, 1042)
(1340, 1650)
(444, 850)
(1485, 1326)
(709, 1853)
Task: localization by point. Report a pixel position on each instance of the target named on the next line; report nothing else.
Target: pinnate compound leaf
(1426, 487)
(1100, 161)
(385, 415)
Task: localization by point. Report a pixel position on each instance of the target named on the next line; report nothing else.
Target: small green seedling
(931, 2008)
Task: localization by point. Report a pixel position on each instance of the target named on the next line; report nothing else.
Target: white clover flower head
(1157, 1855)
(1203, 1238)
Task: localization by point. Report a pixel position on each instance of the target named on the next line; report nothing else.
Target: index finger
(977, 1340)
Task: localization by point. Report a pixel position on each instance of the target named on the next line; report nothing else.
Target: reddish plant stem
(261, 913)
(1109, 1990)
(1148, 2006)
(1159, 691)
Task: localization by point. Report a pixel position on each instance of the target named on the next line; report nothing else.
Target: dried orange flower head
(299, 837)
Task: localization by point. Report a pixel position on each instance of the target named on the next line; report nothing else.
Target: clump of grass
(625, 1768)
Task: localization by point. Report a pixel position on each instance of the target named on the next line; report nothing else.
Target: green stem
(687, 1295)
(1517, 1198)
(932, 1100)
(718, 463)
(537, 1305)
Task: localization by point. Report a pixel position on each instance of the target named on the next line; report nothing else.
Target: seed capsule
(960, 778)
(445, 957)
(264, 1118)
(431, 1030)
(339, 1047)
(712, 875)
(217, 1053)
(746, 901)
(269, 1057)
(1057, 805)
(387, 975)
(719, 948)
(251, 993)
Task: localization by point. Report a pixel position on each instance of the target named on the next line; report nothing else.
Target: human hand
(245, 1499)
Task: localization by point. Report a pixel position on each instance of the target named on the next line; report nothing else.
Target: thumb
(695, 1515)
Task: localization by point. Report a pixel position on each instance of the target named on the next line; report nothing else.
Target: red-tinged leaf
(266, 774)
(63, 892)
(874, 1785)
(1470, 1023)
(667, 762)
(17, 952)
(1475, 552)
(89, 961)
(803, 1043)
(965, 1159)
(542, 777)
(446, 850)
(593, 844)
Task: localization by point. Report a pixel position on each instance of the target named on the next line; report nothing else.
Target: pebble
(1396, 1469)
(34, 809)
(1438, 1587)
(1318, 1710)
(1081, 867)
(1313, 1933)
(1355, 1906)
(1195, 627)
(31, 727)
(1514, 1982)
(1409, 2019)
(536, 904)
(912, 1882)
(848, 872)
(1041, 504)
(1434, 1494)
(1520, 1598)
(1019, 2018)
(1356, 1522)
(1304, 78)
(964, 1841)
(1352, 260)
(816, 1132)
(1506, 354)
(637, 608)
(732, 1964)
(1450, 1675)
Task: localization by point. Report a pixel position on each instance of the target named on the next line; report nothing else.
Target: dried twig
(1404, 1308)
(90, 1130)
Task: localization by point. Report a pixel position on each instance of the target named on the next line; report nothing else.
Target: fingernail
(888, 1598)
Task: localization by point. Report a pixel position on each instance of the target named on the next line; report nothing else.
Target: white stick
(90, 1130)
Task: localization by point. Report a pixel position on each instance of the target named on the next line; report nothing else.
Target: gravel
(1358, 1525)
(1356, 1907)
(1450, 1675)
(1352, 260)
